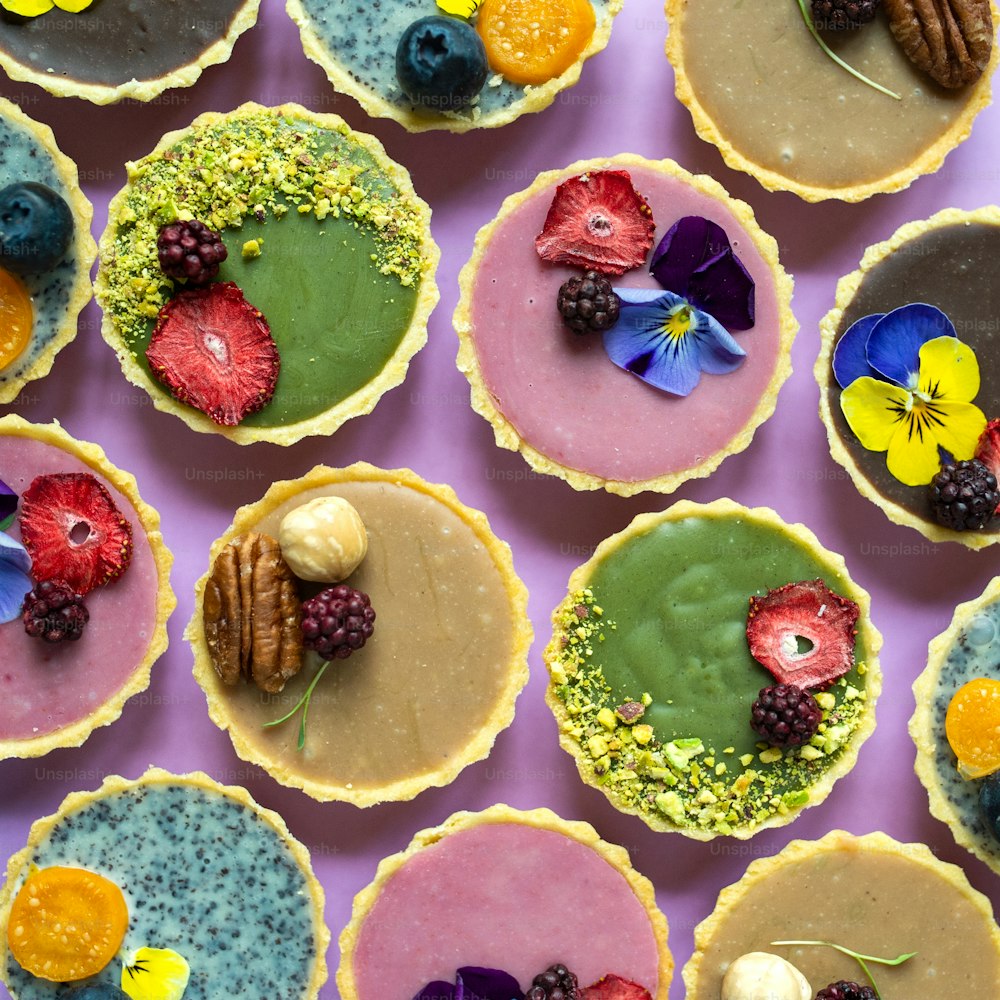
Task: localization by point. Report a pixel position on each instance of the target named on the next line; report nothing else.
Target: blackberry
(839, 15)
(588, 304)
(190, 251)
(555, 983)
(54, 612)
(964, 495)
(785, 715)
(846, 991)
(337, 621)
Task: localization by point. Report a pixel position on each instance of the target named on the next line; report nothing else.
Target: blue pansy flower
(15, 565)
(669, 338)
(473, 983)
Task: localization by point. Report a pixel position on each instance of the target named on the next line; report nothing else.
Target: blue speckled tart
(28, 152)
(356, 43)
(205, 872)
(968, 650)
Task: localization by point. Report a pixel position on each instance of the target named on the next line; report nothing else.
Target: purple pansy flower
(15, 565)
(8, 505)
(474, 983)
(669, 338)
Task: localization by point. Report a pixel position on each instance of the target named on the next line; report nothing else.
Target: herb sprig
(859, 958)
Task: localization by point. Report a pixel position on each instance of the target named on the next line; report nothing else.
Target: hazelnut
(324, 540)
(760, 976)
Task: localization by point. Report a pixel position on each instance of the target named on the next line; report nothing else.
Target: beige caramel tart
(434, 671)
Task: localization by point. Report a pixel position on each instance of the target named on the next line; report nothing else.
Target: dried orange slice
(66, 924)
(533, 41)
(972, 726)
(16, 317)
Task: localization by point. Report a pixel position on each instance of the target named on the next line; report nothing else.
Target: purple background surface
(624, 102)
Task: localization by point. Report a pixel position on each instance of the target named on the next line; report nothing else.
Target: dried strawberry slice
(807, 610)
(597, 221)
(214, 351)
(988, 449)
(615, 988)
(73, 531)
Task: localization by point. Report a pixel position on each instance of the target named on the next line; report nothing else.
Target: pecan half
(949, 39)
(251, 614)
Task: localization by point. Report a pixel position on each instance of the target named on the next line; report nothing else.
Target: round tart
(28, 154)
(356, 45)
(433, 686)
(870, 894)
(653, 676)
(476, 892)
(966, 653)
(932, 278)
(303, 205)
(200, 866)
(56, 694)
(113, 49)
(839, 137)
(556, 396)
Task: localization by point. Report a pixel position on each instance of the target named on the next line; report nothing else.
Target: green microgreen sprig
(302, 703)
(840, 62)
(859, 958)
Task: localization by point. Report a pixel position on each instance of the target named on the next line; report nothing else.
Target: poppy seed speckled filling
(362, 39)
(23, 158)
(202, 874)
(976, 654)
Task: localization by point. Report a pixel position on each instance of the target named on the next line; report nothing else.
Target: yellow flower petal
(960, 428)
(73, 6)
(155, 974)
(949, 370)
(873, 410)
(459, 8)
(913, 452)
(27, 8)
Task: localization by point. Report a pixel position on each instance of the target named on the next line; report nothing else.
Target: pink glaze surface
(503, 896)
(47, 687)
(562, 393)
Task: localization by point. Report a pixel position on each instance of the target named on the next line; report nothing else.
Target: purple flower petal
(687, 245)
(850, 356)
(15, 565)
(8, 505)
(489, 984)
(673, 361)
(723, 287)
(437, 990)
(895, 341)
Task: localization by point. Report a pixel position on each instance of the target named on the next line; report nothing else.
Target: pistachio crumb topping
(256, 165)
(681, 779)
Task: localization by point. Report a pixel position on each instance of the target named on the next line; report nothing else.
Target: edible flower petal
(8, 505)
(474, 983)
(73, 6)
(912, 423)
(155, 974)
(850, 356)
(458, 8)
(668, 342)
(32, 8)
(15, 582)
(696, 260)
(895, 340)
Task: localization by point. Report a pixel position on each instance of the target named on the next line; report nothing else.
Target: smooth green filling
(319, 240)
(663, 625)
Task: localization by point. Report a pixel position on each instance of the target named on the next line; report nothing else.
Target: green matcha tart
(654, 675)
(324, 292)
(871, 894)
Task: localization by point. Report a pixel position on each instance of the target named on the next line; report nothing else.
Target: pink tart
(557, 398)
(471, 893)
(54, 694)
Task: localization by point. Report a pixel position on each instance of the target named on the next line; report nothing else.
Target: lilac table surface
(623, 102)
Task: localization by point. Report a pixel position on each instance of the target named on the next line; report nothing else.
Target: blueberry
(441, 63)
(36, 227)
(989, 803)
(98, 991)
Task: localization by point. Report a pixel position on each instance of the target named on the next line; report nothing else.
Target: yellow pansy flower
(155, 974)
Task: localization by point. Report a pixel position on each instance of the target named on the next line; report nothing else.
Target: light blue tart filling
(202, 874)
(361, 39)
(23, 158)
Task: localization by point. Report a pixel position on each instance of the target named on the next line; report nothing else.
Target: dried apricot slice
(972, 726)
(533, 41)
(66, 924)
(16, 317)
